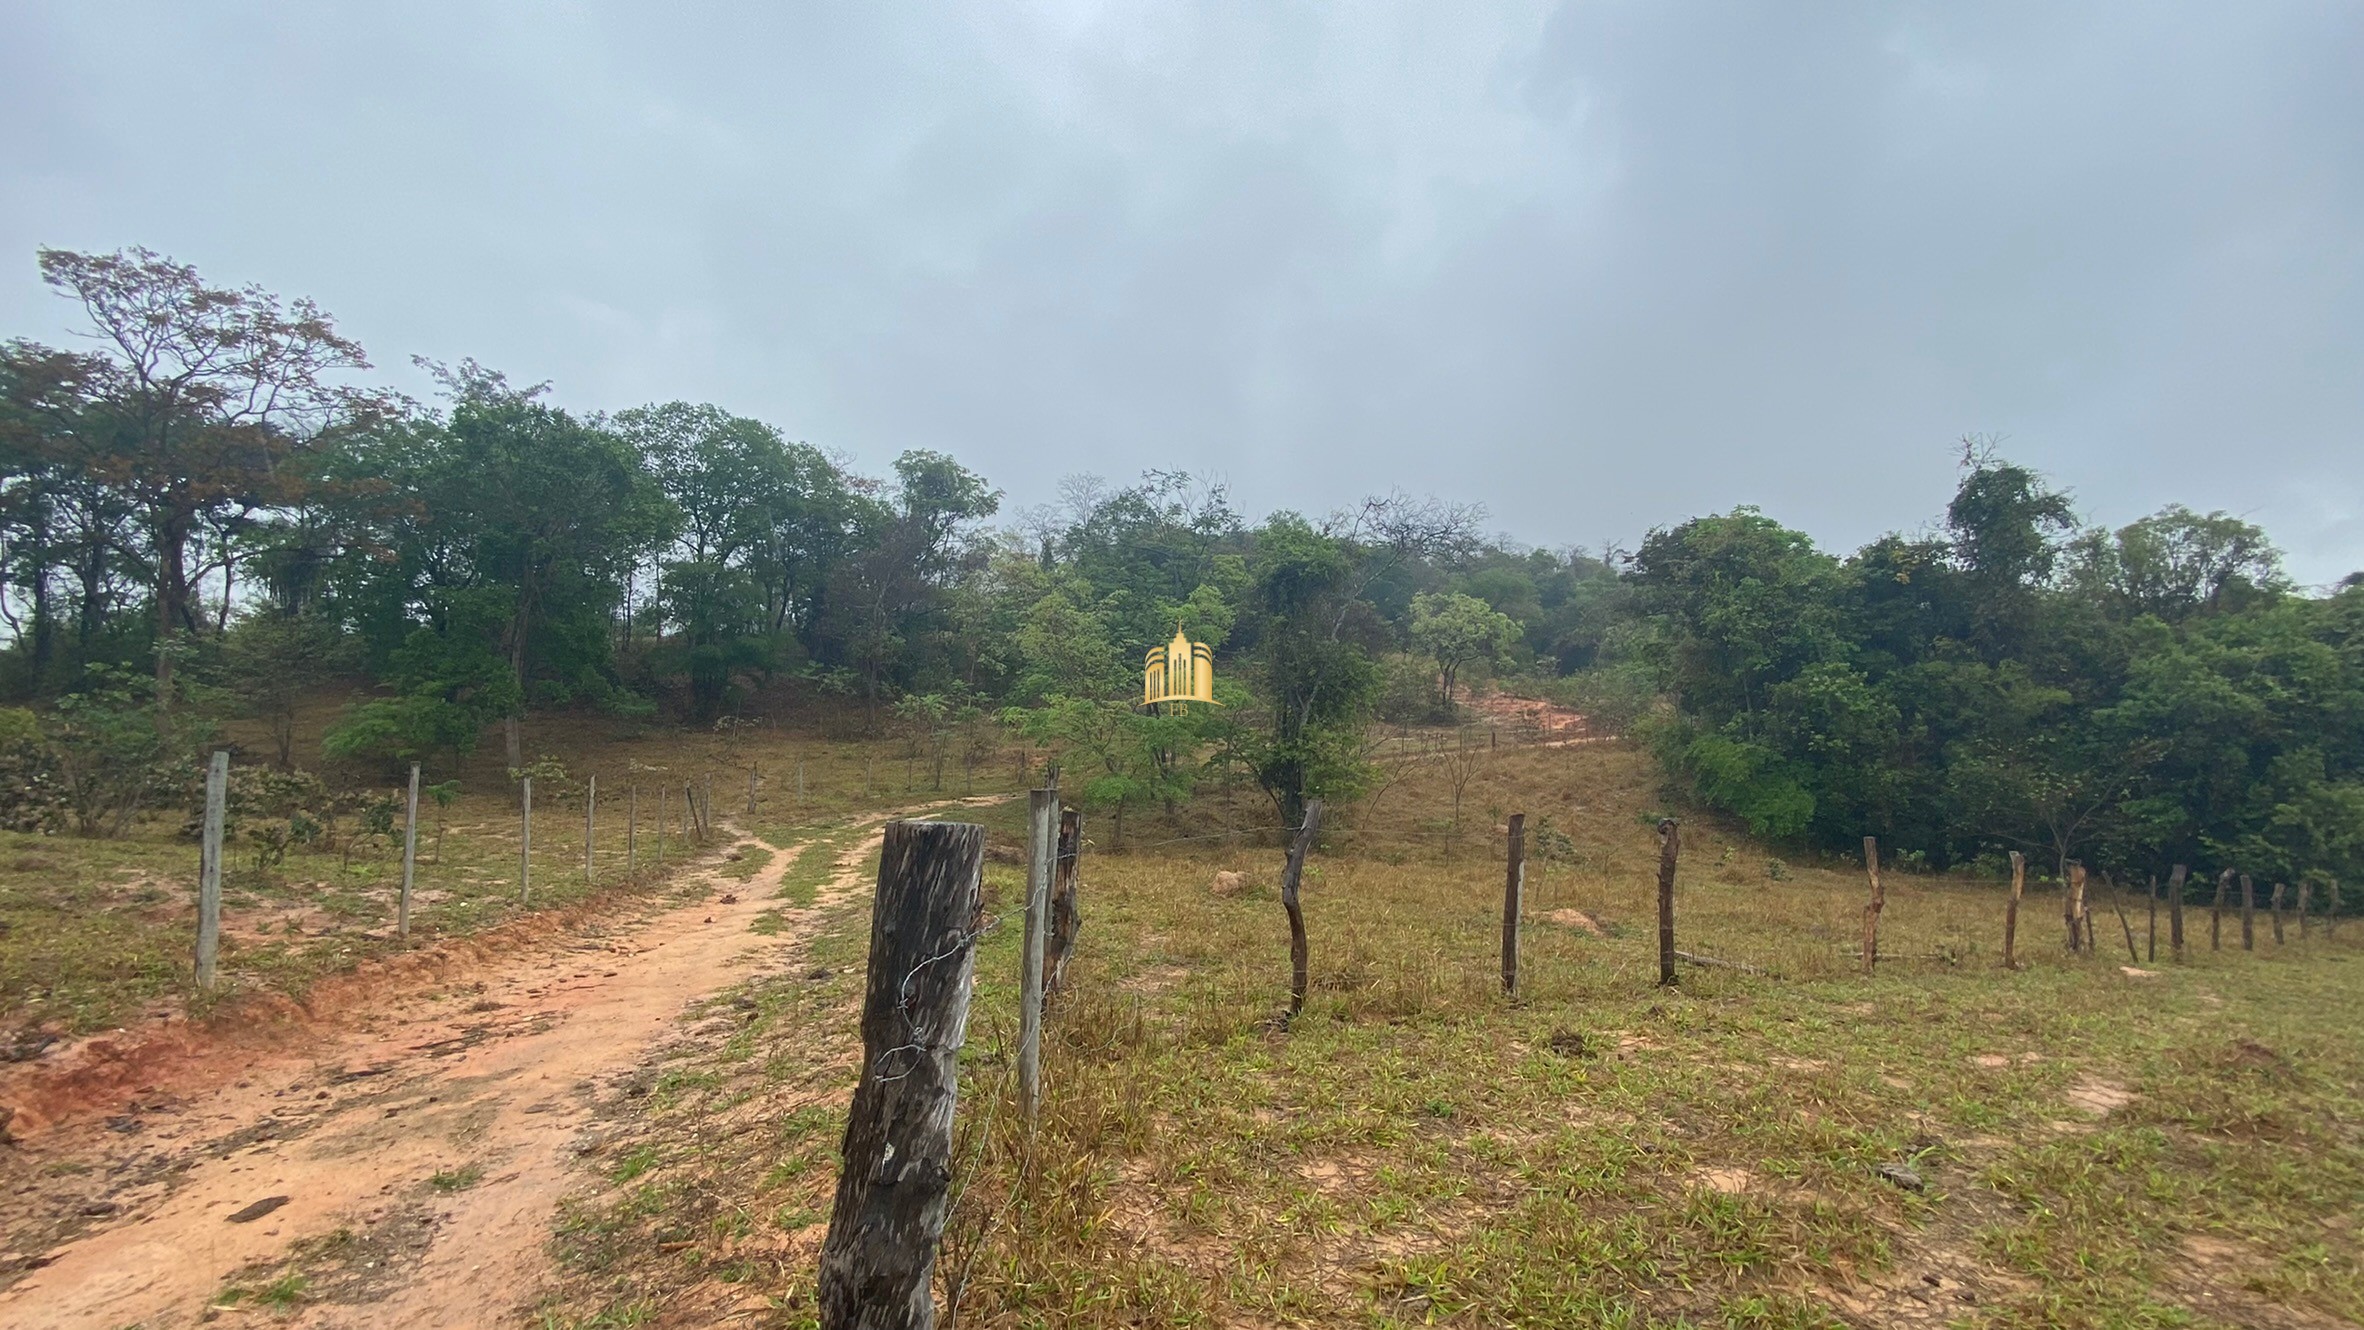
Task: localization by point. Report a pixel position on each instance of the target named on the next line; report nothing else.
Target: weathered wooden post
(2150, 939)
(1872, 908)
(410, 857)
(706, 805)
(693, 830)
(2011, 910)
(525, 840)
(2072, 907)
(590, 830)
(2125, 925)
(2306, 895)
(2224, 883)
(754, 773)
(800, 781)
(1066, 917)
(2248, 914)
(1514, 889)
(2279, 888)
(1670, 847)
(878, 1261)
(1042, 848)
(2175, 889)
(1291, 873)
(632, 831)
(209, 868)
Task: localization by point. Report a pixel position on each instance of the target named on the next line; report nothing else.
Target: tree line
(209, 511)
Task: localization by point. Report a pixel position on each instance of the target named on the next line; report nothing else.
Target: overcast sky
(1599, 267)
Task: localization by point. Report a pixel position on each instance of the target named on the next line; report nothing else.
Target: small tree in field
(1460, 631)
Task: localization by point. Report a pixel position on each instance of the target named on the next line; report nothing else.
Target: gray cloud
(1600, 266)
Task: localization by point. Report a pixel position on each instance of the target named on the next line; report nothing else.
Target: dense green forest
(212, 513)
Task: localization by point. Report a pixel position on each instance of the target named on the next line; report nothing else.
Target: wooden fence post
(2175, 888)
(1514, 889)
(1066, 918)
(2072, 907)
(590, 830)
(2306, 895)
(1670, 847)
(1872, 908)
(800, 781)
(2279, 888)
(878, 1261)
(2248, 914)
(2224, 883)
(2331, 916)
(693, 831)
(2125, 926)
(1042, 848)
(706, 805)
(2150, 939)
(1291, 873)
(754, 773)
(410, 857)
(660, 828)
(2011, 911)
(525, 841)
(632, 830)
(209, 868)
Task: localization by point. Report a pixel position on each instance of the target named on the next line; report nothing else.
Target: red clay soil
(408, 1138)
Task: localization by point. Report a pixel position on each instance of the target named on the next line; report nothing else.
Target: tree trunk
(878, 1262)
(1290, 875)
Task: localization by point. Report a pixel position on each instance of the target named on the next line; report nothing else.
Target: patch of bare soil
(1530, 717)
(407, 1163)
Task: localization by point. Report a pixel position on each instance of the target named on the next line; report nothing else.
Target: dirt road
(412, 1161)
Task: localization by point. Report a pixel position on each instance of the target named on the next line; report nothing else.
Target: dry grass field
(100, 932)
(1944, 1144)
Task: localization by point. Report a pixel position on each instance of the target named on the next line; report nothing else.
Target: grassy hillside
(1945, 1144)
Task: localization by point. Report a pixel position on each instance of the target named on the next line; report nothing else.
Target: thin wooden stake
(2224, 883)
(525, 841)
(2248, 914)
(2279, 888)
(632, 831)
(590, 830)
(2011, 911)
(754, 771)
(1042, 848)
(410, 857)
(2132, 957)
(1291, 873)
(887, 1221)
(2150, 940)
(2072, 907)
(2175, 889)
(2306, 893)
(1670, 847)
(1872, 908)
(209, 868)
(1514, 888)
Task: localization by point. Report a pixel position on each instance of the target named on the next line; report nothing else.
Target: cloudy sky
(1598, 266)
